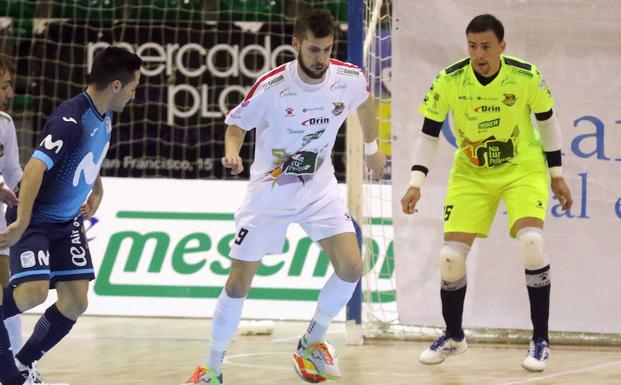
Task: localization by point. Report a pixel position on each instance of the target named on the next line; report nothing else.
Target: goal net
(379, 289)
(201, 57)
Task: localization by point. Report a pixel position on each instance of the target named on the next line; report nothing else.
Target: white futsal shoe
(538, 356)
(32, 376)
(442, 348)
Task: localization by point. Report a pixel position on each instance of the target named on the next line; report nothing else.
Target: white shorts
(262, 231)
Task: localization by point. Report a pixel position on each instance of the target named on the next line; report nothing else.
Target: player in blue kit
(61, 184)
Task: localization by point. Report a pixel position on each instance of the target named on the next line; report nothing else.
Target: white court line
(565, 373)
(227, 360)
(296, 338)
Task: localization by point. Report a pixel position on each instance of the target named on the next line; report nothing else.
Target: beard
(4, 106)
(309, 72)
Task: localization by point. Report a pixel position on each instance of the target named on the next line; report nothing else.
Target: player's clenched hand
(7, 195)
(410, 199)
(89, 208)
(562, 192)
(234, 162)
(10, 235)
(376, 164)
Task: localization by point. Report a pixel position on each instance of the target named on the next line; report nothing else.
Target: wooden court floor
(160, 351)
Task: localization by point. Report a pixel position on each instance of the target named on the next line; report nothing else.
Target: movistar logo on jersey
(89, 168)
(489, 124)
(315, 121)
(51, 144)
(487, 109)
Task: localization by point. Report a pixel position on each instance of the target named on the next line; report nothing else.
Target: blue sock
(52, 327)
(8, 370)
(8, 303)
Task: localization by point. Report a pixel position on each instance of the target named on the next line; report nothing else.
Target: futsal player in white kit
(296, 110)
(11, 175)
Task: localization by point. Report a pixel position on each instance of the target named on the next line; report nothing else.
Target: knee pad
(532, 248)
(452, 260)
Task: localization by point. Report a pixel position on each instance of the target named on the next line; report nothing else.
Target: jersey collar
(292, 69)
(90, 102)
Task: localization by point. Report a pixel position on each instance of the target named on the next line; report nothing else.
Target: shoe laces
(33, 375)
(439, 342)
(538, 348)
(198, 375)
(322, 348)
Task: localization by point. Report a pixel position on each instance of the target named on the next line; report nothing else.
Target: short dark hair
(6, 64)
(319, 22)
(484, 23)
(114, 63)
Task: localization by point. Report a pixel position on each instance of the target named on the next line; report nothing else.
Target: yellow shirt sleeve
(541, 100)
(435, 105)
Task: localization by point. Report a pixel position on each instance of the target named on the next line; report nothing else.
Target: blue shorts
(51, 251)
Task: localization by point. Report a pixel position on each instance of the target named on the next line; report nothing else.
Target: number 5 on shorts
(240, 236)
(447, 212)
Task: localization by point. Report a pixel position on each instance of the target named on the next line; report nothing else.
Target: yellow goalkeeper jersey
(492, 124)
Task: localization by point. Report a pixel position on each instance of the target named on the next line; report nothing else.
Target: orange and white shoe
(316, 363)
(204, 376)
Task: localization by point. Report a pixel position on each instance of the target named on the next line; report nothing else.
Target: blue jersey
(74, 142)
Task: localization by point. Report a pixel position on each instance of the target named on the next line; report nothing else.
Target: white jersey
(9, 158)
(296, 125)
(9, 152)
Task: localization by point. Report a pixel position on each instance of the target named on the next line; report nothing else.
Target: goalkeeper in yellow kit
(500, 156)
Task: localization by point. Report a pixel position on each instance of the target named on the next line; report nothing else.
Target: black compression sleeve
(554, 158)
(544, 115)
(432, 128)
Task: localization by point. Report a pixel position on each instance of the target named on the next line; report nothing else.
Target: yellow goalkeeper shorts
(474, 193)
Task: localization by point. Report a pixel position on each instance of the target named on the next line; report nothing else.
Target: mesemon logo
(162, 254)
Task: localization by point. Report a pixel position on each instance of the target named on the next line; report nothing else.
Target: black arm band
(554, 158)
(420, 168)
(432, 128)
(544, 115)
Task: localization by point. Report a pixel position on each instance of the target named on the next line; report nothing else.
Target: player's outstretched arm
(89, 208)
(233, 140)
(30, 186)
(373, 157)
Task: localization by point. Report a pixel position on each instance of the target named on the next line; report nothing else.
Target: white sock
(225, 323)
(14, 327)
(332, 299)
